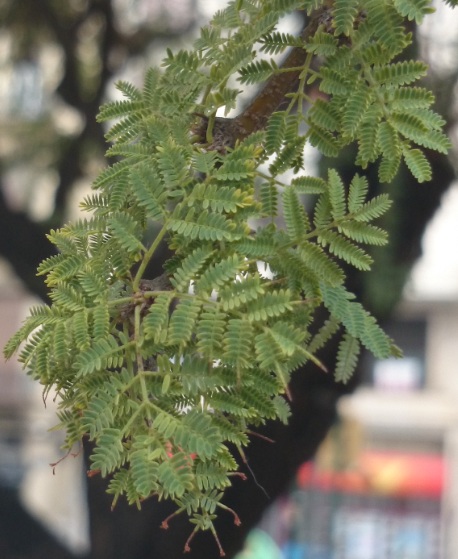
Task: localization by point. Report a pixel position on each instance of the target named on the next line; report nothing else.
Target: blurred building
(409, 417)
(384, 484)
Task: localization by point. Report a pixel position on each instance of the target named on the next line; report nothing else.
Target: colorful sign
(381, 473)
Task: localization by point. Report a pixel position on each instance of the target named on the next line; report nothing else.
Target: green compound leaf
(323, 115)
(210, 332)
(275, 133)
(268, 196)
(100, 321)
(336, 195)
(156, 321)
(126, 231)
(417, 163)
(373, 208)
(198, 435)
(103, 354)
(414, 9)
(368, 132)
(190, 267)
(182, 321)
(355, 107)
(211, 476)
(347, 358)
(309, 185)
(149, 191)
(324, 141)
(107, 455)
(364, 233)
(318, 262)
(144, 472)
(400, 73)
(345, 12)
(168, 370)
(345, 250)
(207, 227)
(357, 321)
(175, 475)
(257, 71)
(268, 305)
(100, 413)
(296, 219)
(357, 193)
(217, 275)
(238, 343)
(81, 329)
(242, 291)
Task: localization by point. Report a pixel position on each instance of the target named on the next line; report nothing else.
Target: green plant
(168, 375)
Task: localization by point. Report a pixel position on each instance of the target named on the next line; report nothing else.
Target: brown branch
(272, 95)
(254, 117)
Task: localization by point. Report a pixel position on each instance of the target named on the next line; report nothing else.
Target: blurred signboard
(386, 506)
(383, 473)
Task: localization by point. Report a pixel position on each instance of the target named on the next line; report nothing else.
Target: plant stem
(148, 256)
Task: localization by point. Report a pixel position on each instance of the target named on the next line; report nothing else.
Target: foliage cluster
(169, 375)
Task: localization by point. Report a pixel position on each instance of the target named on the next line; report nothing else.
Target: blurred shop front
(379, 505)
(384, 484)
(387, 506)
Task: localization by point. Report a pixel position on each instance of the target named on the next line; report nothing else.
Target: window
(400, 375)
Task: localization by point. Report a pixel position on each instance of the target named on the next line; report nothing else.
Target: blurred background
(384, 482)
